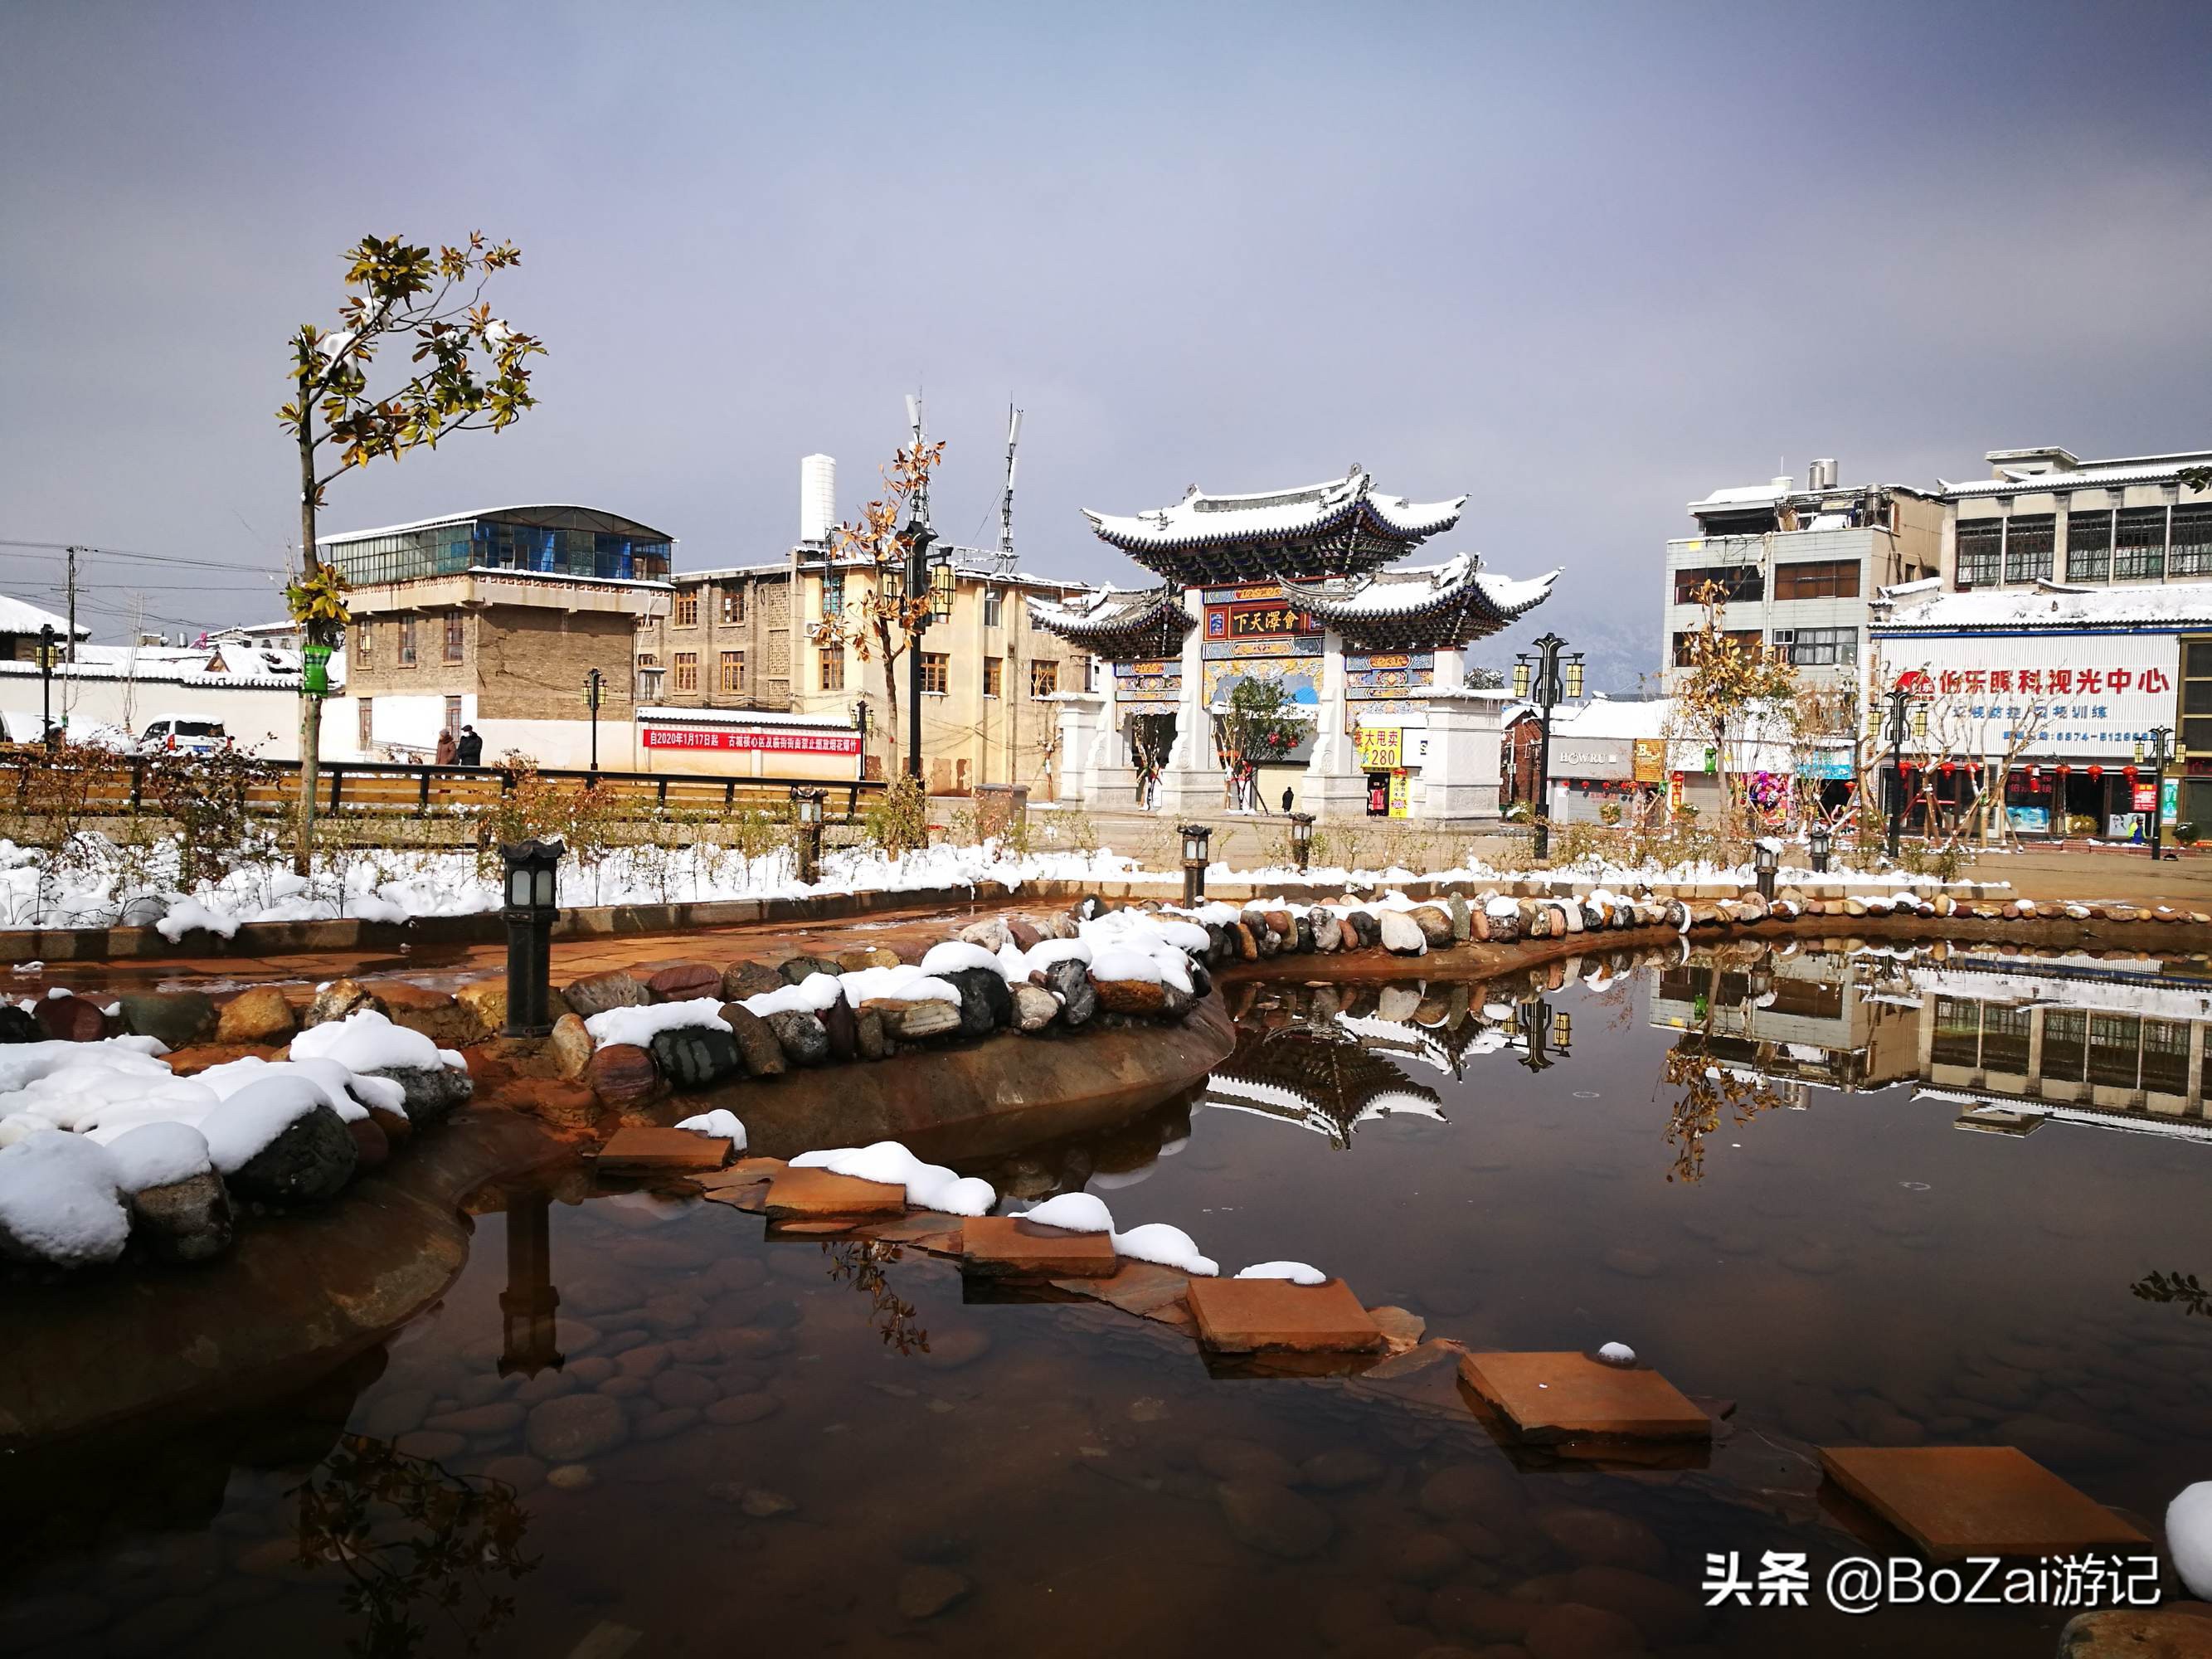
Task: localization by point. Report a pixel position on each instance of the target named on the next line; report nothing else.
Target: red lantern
(2096, 771)
(1947, 768)
(2130, 771)
(2063, 770)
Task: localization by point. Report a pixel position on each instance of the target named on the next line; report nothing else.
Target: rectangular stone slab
(636, 1148)
(814, 1194)
(1957, 1501)
(1251, 1315)
(1565, 1396)
(1006, 1246)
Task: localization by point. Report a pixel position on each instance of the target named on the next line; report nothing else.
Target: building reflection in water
(2014, 1039)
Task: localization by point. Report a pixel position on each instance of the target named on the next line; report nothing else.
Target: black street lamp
(1900, 713)
(1196, 838)
(1765, 861)
(807, 813)
(1818, 840)
(2160, 752)
(1543, 669)
(919, 538)
(1302, 825)
(593, 683)
(46, 731)
(861, 726)
(1535, 1021)
(531, 869)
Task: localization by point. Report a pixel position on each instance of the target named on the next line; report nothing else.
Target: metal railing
(369, 787)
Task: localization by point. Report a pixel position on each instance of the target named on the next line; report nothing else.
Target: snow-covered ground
(106, 883)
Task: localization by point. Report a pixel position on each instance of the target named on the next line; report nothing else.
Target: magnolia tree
(886, 621)
(1734, 693)
(470, 373)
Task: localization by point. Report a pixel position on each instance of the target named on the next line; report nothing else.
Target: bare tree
(472, 374)
(1734, 689)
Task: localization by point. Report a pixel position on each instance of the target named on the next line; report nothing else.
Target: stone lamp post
(806, 807)
(1302, 826)
(532, 867)
(1196, 858)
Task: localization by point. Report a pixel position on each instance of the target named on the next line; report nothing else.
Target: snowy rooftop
(1919, 607)
(1457, 598)
(1611, 718)
(1279, 517)
(166, 668)
(1110, 614)
(17, 617)
(2055, 470)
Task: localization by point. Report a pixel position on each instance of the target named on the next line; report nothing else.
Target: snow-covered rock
(60, 1204)
(1296, 1272)
(928, 1186)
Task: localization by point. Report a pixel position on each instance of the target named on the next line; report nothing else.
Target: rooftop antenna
(1006, 496)
(913, 421)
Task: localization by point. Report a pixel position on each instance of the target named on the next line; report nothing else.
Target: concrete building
(744, 638)
(493, 619)
(2042, 515)
(1798, 567)
(19, 623)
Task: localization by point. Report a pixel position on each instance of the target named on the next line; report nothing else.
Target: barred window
(733, 604)
(687, 609)
(729, 674)
(2188, 551)
(833, 593)
(2139, 544)
(994, 676)
(831, 667)
(687, 671)
(1958, 1032)
(2166, 1056)
(1819, 648)
(936, 672)
(2115, 1049)
(367, 734)
(2089, 545)
(2004, 1039)
(2027, 547)
(1981, 552)
(456, 637)
(1044, 679)
(2065, 1044)
(2197, 701)
(1818, 579)
(407, 641)
(364, 643)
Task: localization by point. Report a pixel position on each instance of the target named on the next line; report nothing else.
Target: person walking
(469, 752)
(1289, 799)
(447, 747)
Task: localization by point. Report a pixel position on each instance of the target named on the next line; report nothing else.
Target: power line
(89, 548)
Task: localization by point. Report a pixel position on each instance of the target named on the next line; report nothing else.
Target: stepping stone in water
(1006, 1246)
(1246, 1315)
(635, 1148)
(1565, 1396)
(1957, 1501)
(808, 1195)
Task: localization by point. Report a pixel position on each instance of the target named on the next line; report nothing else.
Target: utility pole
(1900, 702)
(72, 606)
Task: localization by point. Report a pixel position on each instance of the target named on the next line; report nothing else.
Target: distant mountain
(1619, 656)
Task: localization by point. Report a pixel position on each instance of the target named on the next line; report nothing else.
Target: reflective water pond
(1866, 1197)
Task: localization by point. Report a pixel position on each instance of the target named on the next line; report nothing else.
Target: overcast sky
(1585, 263)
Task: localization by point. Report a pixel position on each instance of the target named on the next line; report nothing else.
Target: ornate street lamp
(1538, 675)
(1765, 861)
(807, 813)
(919, 538)
(594, 683)
(2160, 750)
(1196, 858)
(1535, 1021)
(1302, 825)
(1818, 841)
(46, 731)
(1900, 716)
(532, 867)
(861, 726)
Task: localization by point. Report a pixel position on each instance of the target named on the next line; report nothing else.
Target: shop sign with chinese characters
(2093, 695)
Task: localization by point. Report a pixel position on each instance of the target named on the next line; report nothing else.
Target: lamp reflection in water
(1535, 1022)
(527, 1305)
